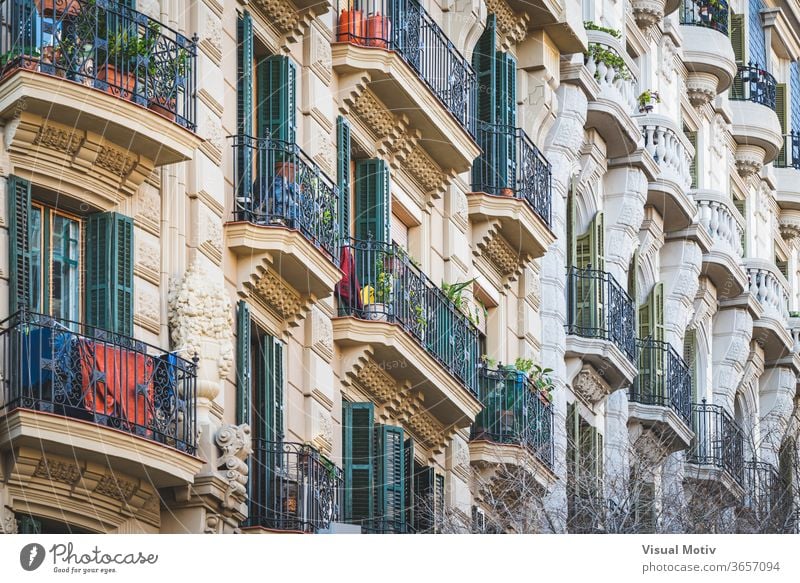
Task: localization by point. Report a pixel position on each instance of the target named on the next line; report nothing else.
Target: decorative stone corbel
(235, 444)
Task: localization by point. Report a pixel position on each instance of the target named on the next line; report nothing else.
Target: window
(584, 473)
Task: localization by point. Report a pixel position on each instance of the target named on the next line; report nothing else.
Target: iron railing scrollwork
(511, 165)
(598, 307)
(718, 440)
(711, 14)
(405, 26)
(664, 378)
(82, 372)
(392, 288)
(278, 184)
(514, 413)
(104, 45)
(789, 156)
(752, 83)
(293, 487)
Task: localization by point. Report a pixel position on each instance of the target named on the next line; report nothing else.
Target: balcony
(413, 68)
(293, 488)
(601, 325)
(716, 454)
(562, 22)
(285, 216)
(789, 156)
(661, 396)
(96, 84)
(707, 50)
(395, 319)
(723, 262)
(94, 397)
(673, 153)
(767, 506)
(511, 183)
(616, 75)
(770, 289)
(515, 427)
(755, 128)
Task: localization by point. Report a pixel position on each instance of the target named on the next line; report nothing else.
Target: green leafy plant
(542, 382)
(589, 25)
(794, 314)
(523, 365)
(610, 59)
(455, 293)
(10, 56)
(648, 97)
(489, 362)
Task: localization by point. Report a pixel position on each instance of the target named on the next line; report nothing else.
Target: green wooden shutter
(484, 61)
(372, 200)
(572, 440)
(644, 510)
(633, 272)
(599, 461)
(275, 395)
(343, 174)
(408, 485)
(390, 479)
(19, 212)
(243, 363)
(740, 206)
(109, 272)
(244, 96)
(357, 459)
(780, 109)
(597, 242)
(277, 107)
(572, 257)
(658, 311)
(29, 525)
(439, 503)
(506, 103)
(424, 497)
(590, 290)
(690, 357)
(692, 136)
(737, 37)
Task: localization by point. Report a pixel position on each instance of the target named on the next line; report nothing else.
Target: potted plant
(377, 299)
(352, 26)
(117, 64)
(542, 384)
(58, 9)
(20, 57)
(162, 97)
(647, 101)
(378, 29)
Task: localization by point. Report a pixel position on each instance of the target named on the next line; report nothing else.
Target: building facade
(391, 266)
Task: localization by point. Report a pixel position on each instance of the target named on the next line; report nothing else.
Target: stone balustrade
(669, 147)
(769, 287)
(722, 221)
(617, 83)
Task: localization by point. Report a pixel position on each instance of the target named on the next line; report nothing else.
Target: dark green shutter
(109, 272)
(506, 103)
(343, 174)
(408, 485)
(439, 503)
(29, 525)
(692, 136)
(275, 395)
(19, 212)
(690, 357)
(244, 95)
(424, 497)
(390, 479)
(571, 218)
(277, 107)
(780, 109)
(357, 445)
(484, 61)
(372, 200)
(737, 28)
(243, 363)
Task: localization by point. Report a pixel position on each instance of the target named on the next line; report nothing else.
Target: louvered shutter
(109, 272)
(590, 290)
(506, 103)
(343, 174)
(390, 479)
(372, 200)
(29, 525)
(740, 206)
(780, 109)
(597, 242)
(439, 503)
(273, 399)
(737, 34)
(690, 357)
(424, 496)
(408, 484)
(572, 257)
(19, 212)
(485, 176)
(357, 459)
(572, 440)
(277, 107)
(599, 461)
(243, 363)
(692, 136)
(244, 99)
(645, 518)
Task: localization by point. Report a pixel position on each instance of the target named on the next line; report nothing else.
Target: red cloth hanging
(111, 376)
(348, 288)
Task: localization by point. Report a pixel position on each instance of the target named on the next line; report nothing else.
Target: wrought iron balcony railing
(405, 27)
(277, 184)
(511, 165)
(598, 307)
(81, 372)
(105, 45)
(711, 14)
(752, 83)
(382, 283)
(514, 413)
(762, 486)
(664, 379)
(293, 487)
(789, 156)
(718, 440)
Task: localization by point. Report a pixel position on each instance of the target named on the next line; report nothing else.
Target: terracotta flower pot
(352, 27)
(285, 170)
(163, 106)
(507, 192)
(51, 56)
(58, 8)
(378, 29)
(119, 84)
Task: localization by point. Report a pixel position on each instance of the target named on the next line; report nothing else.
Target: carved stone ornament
(701, 88)
(8, 522)
(590, 385)
(235, 445)
(199, 309)
(647, 13)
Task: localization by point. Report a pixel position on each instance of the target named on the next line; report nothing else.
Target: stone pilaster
(732, 331)
(776, 390)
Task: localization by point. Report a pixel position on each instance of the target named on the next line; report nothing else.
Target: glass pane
(65, 282)
(35, 243)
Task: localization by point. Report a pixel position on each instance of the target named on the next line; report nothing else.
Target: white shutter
(399, 232)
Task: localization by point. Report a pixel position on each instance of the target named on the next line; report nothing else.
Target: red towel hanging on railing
(348, 288)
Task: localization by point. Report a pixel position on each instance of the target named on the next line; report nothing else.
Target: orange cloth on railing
(111, 377)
